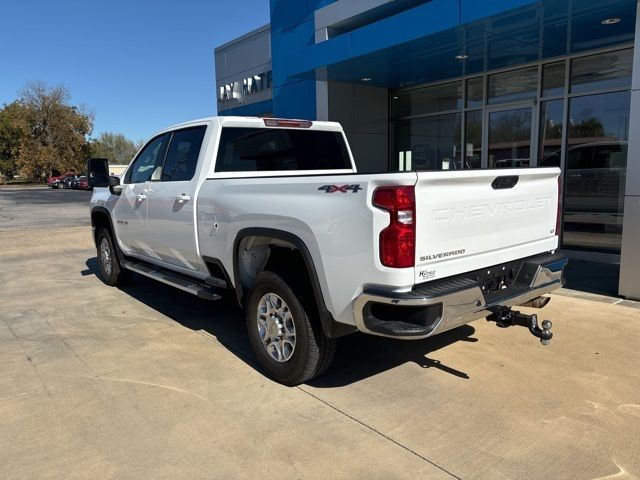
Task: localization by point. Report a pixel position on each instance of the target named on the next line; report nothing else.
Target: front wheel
(288, 344)
(111, 271)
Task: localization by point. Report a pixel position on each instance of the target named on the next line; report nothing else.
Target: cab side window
(148, 163)
(182, 156)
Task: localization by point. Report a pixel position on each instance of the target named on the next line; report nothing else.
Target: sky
(139, 65)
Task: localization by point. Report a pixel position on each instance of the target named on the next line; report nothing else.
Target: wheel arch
(279, 238)
(101, 217)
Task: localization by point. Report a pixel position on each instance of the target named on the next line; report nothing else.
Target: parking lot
(150, 382)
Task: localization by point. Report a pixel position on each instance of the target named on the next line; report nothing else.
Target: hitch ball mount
(505, 317)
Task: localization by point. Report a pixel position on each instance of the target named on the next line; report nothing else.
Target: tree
(114, 146)
(55, 137)
(12, 130)
(588, 128)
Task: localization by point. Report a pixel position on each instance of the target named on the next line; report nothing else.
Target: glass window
(510, 138)
(553, 79)
(430, 143)
(182, 156)
(473, 142)
(606, 70)
(148, 163)
(595, 174)
(551, 125)
(475, 94)
(439, 98)
(514, 85)
(268, 150)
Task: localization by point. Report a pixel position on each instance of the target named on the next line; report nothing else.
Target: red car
(83, 183)
(54, 180)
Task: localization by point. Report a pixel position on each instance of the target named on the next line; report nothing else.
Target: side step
(183, 283)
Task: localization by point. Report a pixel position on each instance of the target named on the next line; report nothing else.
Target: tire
(311, 352)
(110, 270)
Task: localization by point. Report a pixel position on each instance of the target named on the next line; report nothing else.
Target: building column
(630, 255)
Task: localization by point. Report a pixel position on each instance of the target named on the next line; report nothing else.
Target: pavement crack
(73, 350)
(383, 435)
(152, 385)
(35, 370)
(24, 352)
(13, 396)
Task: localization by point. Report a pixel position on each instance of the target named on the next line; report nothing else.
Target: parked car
(275, 211)
(83, 183)
(54, 181)
(67, 180)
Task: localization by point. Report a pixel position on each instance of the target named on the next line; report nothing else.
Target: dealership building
(457, 84)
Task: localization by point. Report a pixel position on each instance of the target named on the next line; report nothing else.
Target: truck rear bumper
(436, 307)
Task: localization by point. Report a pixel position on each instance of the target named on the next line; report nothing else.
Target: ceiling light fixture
(365, 79)
(610, 21)
(462, 56)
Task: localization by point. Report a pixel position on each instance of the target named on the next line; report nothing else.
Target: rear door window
(271, 149)
(182, 156)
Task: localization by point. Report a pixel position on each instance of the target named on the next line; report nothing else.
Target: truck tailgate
(473, 219)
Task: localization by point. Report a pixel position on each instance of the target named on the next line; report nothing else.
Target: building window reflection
(595, 171)
(430, 143)
(550, 133)
(571, 113)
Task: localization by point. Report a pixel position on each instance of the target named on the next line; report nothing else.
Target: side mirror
(114, 185)
(98, 172)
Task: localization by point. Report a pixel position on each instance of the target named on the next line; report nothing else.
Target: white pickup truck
(274, 210)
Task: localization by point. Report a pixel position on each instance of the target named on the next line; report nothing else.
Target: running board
(191, 286)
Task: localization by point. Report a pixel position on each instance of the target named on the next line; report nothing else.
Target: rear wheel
(110, 270)
(286, 338)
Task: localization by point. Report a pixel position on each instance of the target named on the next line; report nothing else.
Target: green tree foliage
(41, 133)
(12, 131)
(114, 146)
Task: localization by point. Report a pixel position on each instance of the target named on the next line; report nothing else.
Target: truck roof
(255, 122)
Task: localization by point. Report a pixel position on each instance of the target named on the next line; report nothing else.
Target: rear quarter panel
(340, 229)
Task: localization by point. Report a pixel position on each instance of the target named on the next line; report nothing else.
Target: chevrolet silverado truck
(274, 212)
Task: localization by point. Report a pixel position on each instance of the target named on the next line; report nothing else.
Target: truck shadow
(358, 356)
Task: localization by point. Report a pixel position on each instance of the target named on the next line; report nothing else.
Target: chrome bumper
(464, 305)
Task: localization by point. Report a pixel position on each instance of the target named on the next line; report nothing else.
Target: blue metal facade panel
(252, 110)
(419, 45)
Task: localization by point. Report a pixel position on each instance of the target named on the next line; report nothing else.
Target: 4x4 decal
(340, 188)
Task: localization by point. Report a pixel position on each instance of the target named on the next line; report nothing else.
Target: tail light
(398, 240)
(559, 212)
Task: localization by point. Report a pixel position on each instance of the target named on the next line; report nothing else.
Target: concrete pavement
(150, 382)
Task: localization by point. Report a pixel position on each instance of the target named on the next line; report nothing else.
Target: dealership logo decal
(340, 188)
(427, 274)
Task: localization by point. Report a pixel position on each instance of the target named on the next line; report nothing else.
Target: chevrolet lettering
(473, 212)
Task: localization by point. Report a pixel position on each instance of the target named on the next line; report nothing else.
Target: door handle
(141, 196)
(183, 198)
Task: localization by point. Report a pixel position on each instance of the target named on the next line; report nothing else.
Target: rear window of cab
(270, 150)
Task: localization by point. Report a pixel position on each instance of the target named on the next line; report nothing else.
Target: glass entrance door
(509, 137)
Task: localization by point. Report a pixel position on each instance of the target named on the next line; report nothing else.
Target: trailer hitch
(505, 317)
